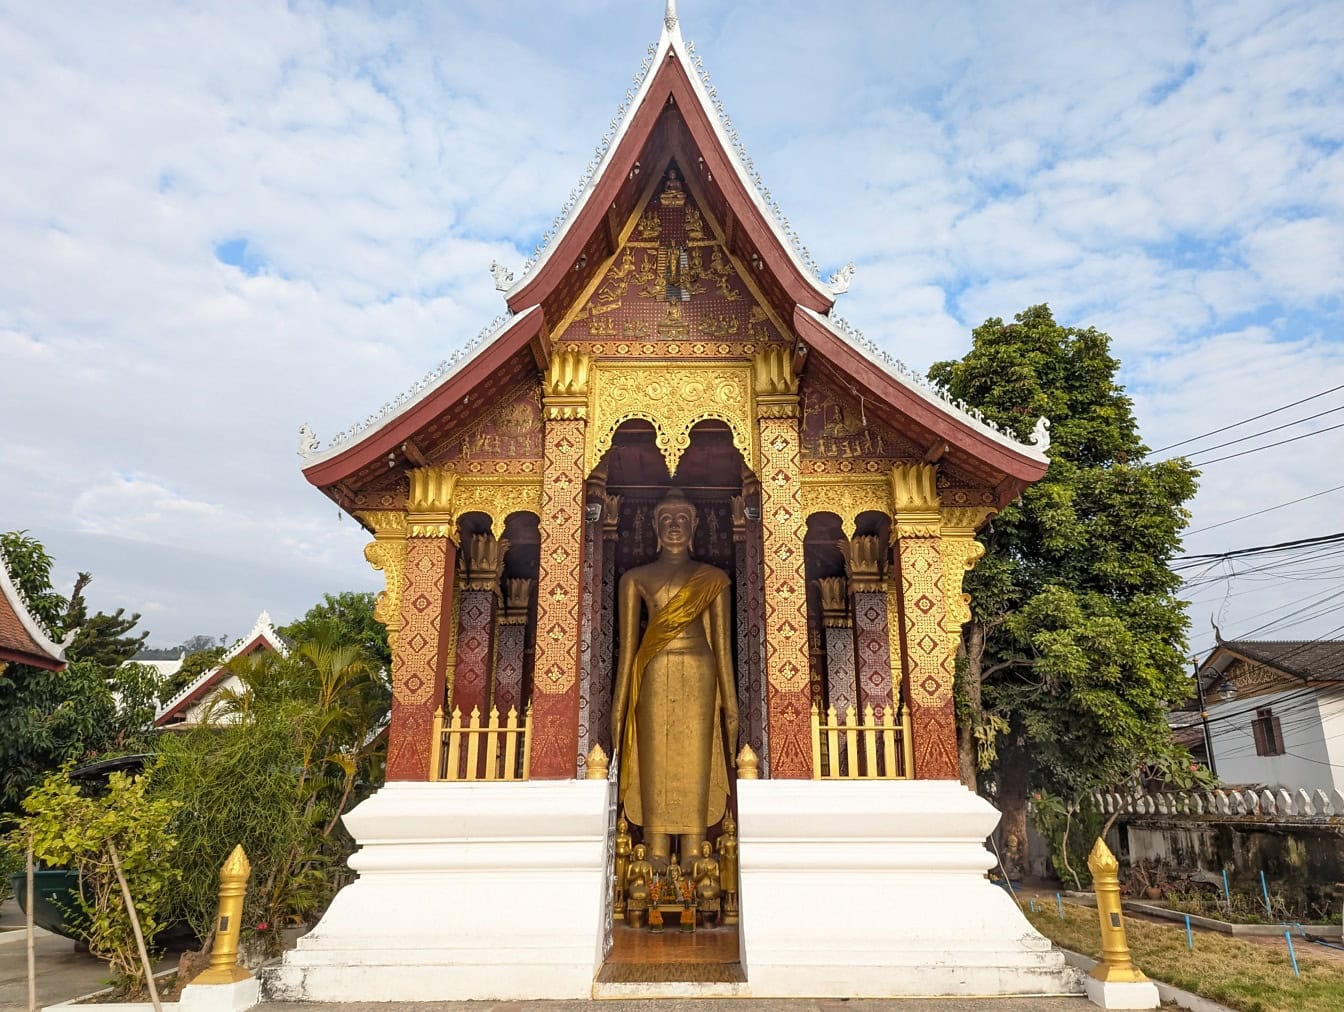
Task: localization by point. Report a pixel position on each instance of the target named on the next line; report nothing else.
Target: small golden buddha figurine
(638, 880)
(705, 875)
(671, 687)
(675, 883)
(728, 864)
(623, 851)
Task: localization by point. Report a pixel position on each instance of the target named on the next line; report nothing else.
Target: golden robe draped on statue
(666, 785)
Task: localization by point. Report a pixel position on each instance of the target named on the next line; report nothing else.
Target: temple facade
(671, 332)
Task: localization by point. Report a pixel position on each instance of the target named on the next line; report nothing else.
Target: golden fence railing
(872, 749)
(474, 752)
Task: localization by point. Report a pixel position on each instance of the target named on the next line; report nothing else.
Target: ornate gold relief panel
(673, 396)
(497, 496)
(846, 495)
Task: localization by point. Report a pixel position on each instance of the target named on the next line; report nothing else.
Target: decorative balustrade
(871, 749)
(474, 752)
(1248, 804)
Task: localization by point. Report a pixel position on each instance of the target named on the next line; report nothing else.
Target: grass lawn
(1241, 975)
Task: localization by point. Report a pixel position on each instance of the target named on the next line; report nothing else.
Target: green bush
(1071, 830)
(70, 829)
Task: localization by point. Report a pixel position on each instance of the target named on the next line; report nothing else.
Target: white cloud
(1173, 174)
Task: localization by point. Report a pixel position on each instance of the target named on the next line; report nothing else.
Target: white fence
(1264, 804)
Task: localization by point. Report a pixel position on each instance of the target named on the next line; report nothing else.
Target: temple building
(674, 564)
(192, 705)
(23, 637)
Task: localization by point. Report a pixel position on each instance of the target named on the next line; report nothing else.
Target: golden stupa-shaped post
(224, 968)
(1115, 963)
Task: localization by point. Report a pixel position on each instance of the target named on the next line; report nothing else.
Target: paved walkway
(62, 973)
(1078, 1004)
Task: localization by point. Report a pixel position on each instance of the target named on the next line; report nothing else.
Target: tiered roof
(672, 113)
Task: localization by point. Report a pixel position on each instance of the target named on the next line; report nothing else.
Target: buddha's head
(674, 521)
(640, 851)
(622, 825)
(704, 848)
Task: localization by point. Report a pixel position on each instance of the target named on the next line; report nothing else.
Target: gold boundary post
(1115, 964)
(224, 968)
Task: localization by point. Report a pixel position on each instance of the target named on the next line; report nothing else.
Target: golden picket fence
(474, 752)
(871, 749)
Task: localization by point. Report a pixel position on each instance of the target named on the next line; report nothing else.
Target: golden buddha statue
(705, 875)
(728, 865)
(638, 880)
(671, 689)
(623, 851)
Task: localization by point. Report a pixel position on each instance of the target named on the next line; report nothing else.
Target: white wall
(1313, 737)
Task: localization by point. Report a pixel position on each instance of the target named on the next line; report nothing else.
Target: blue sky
(223, 221)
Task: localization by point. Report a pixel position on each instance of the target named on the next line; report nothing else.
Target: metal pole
(1204, 719)
(28, 922)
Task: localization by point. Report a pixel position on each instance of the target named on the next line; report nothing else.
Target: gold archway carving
(497, 496)
(847, 496)
(672, 396)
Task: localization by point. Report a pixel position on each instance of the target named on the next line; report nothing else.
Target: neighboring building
(23, 637)
(186, 709)
(165, 668)
(1275, 713)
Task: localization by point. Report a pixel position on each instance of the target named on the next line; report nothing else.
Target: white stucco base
(480, 890)
(878, 889)
(235, 997)
(1122, 994)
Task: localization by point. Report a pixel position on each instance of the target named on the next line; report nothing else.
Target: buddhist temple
(673, 563)
(23, 637)
(191, 706)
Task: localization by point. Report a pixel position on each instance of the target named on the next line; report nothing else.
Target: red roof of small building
(23, 638)
(262, 637)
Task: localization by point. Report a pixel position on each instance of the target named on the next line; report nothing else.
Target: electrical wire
(1257, 513)
(1264, 432)
(1253, 418)
(1267, 446)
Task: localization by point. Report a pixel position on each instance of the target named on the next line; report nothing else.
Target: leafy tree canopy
(346, 617)
(1076, 644)
(30, 568)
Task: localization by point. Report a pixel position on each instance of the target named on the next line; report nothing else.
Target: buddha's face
(640, 852)
(704, 849)
(675, 526)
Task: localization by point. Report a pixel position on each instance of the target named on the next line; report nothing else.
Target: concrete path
(62, 973)
(1077, 1004)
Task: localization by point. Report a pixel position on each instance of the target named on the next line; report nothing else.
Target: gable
(673, 287)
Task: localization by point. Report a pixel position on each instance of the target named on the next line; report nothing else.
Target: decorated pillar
(555, 693)
(480, 568)
(838, 633)
(417, 553)
(785, 585)
(927, 680)
(595, 661)
(511, 646)
(751, 702)
(872, 638)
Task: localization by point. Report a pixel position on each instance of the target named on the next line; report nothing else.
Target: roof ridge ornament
(670, 15)
(839, 281)
(502, 275)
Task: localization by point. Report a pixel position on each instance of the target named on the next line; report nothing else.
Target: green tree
(50, 718)
(346, 617)
(102, 639)
(1075, 647)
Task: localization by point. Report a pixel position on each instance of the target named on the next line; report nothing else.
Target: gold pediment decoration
(1251, 678)
(673, 396)
(497, 496)
(846, 495)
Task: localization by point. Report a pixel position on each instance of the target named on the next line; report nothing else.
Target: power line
(1280, 546)
(1263, 414)
(1265, 432)
(1268, 509)
(1267, 446)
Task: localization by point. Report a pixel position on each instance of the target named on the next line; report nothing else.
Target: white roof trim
(263, 629)
(419, 391)
(670, 39)
(1035, 447)
(32, 625)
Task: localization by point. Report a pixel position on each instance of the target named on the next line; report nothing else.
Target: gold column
(788, 703)
(387, 554)
(420, 657)
(928, 675)
(555, 699)
(224, 968)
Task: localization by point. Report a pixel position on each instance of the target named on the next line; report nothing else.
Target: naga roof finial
(670, 15)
